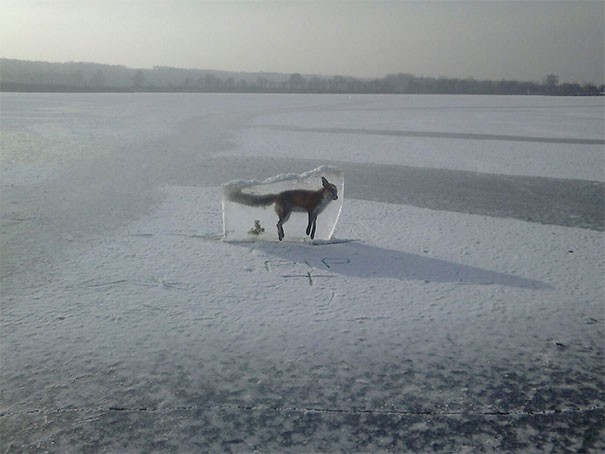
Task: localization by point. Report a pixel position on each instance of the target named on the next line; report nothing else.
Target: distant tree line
(20, 75)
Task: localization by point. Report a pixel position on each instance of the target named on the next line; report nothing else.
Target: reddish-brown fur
(297, 200)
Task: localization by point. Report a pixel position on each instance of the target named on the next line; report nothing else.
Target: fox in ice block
(297, 200)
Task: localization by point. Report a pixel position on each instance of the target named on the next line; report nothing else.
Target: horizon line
(287, 73)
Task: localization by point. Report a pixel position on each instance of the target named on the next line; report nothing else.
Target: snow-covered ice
(128, 324)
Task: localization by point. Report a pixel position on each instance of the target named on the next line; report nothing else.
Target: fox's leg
(284, 214)
(280, 228)
(312, 224)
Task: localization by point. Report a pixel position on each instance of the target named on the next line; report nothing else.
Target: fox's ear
(324, 181)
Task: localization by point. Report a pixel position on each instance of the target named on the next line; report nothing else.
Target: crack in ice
(279, 409)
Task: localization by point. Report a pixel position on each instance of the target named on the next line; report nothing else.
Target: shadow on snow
(356, 259)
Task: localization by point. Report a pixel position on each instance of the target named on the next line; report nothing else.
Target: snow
(524, 136)
(129, 323)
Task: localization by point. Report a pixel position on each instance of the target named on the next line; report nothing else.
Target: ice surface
(501, 135)
(128, 326)
(247, 223)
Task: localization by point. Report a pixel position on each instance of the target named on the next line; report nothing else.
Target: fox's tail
(255, 200)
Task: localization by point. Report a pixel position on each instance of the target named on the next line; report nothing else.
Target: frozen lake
(463, 312)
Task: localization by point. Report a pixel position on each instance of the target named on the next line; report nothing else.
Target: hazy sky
(487, 39)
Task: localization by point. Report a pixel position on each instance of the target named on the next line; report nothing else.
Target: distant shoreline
(77, 77)
(14, 88)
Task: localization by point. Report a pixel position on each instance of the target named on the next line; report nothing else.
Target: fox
(297, 200)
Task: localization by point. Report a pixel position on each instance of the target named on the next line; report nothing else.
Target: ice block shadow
(357, 259)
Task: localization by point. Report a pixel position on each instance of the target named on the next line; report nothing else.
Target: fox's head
(330, 188)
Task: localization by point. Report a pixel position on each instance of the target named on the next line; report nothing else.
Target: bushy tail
(236, 195)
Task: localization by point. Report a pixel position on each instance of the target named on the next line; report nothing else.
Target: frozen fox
(298, 200)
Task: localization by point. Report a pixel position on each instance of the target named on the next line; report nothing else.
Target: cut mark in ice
(252, 208)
